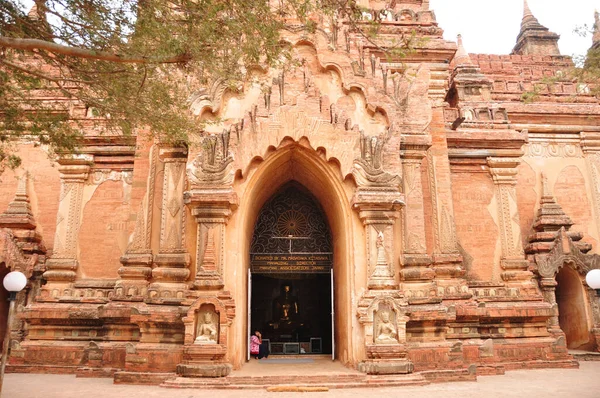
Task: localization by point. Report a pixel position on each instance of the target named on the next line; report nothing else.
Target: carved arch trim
(565, 252)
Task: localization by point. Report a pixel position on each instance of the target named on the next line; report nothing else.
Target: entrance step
(331, 381)
(580, 355)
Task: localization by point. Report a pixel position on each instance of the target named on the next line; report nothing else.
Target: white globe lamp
(593, 280)
(13, 282)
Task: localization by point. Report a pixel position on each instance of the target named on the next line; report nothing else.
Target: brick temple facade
(456, 197)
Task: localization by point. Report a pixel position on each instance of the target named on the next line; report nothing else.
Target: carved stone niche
(206, 337)
(384, 319)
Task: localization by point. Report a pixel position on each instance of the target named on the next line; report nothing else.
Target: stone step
(293, 379)
(585, 355)
(263, 382)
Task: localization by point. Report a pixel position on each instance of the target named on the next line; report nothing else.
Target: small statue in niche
(207, 332)
(386, 332)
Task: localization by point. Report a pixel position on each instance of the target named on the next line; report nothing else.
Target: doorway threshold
(298, 365)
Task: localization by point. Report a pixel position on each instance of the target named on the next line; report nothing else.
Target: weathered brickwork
(459, 189)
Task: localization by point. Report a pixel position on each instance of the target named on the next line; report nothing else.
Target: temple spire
(550, 222)
(526, 10)
(18, 214)
(550, 216)
(462, 56)
(466, 81)
(534, 38)
(37, 13)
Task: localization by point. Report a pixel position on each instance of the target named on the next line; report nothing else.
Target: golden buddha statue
(285, 307)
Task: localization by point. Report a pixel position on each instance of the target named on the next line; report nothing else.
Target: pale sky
(491, 27)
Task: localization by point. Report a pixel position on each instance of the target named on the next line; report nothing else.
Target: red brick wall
(476, 230)
(103, 235)
(527, 198)
(571, 194)
(44, 189)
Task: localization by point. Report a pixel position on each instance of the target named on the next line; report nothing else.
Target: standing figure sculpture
(285, 307)
(386, 331)
(207, 331)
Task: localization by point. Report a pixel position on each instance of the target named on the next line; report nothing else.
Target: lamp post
(13, 282)
(593, 280)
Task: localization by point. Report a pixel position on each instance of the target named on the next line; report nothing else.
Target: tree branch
(36, 44)
(40, 75)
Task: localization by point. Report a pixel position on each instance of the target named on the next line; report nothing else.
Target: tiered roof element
(550, 222)
(534, 38)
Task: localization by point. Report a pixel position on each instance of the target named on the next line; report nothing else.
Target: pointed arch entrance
(572, 305)
(291, 258)
(298, 163)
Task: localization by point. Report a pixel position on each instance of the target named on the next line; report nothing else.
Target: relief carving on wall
(553, 150)
(214, 165)
(565, 251)
(444, 229)
(593, 162)
(208, 97)
(368, 168)
(382, 275)
(504, 173)
(173, 217)
(74, 174)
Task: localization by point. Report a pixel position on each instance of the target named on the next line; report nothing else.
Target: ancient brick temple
(428, 213)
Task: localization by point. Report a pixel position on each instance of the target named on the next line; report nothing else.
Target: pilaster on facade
(590, 144)
(171, 264)
(136, 269)
(378, 220)
(212, 208)
(446, 257)
(62, 266)
(504, 173)
(416, 262)
(377, 200)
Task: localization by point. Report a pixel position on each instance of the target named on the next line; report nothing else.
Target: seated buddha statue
(207, 330)
(386, 331)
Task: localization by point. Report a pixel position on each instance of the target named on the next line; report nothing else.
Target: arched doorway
(298, 162)
(291, 259)
(572, 305)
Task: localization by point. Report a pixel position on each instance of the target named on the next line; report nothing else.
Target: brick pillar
(378, 216)
(172, 261)
(446, 257)
(590, 144)
(212, 208)
(62, 266)
(548, 286)
(136, 269)
(513, 263)
(416, 262)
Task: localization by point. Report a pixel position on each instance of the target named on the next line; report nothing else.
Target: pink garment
(254, 344)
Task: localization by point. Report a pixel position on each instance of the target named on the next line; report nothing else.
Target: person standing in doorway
(257, 347)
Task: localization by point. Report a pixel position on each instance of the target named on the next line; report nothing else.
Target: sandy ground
(579, 383)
